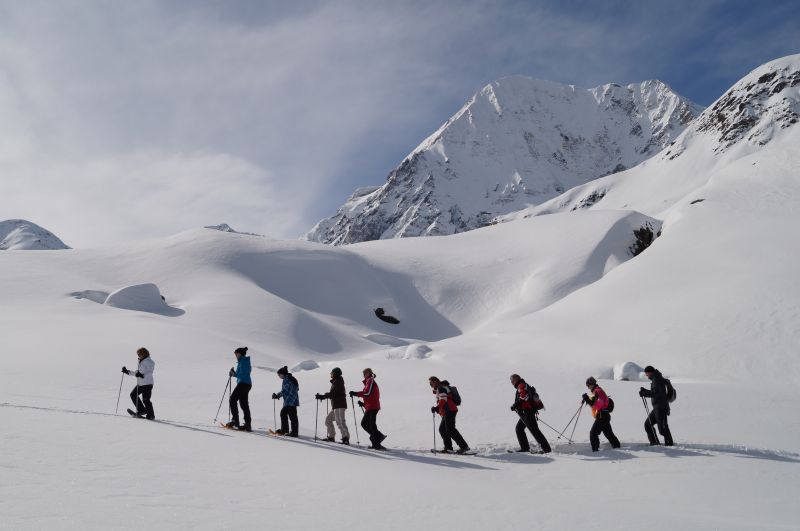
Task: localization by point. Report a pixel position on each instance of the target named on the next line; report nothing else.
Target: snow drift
(21, 235)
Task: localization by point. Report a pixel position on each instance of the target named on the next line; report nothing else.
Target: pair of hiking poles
(355, 421)
(573, 421)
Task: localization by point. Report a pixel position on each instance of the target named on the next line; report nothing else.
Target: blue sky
(140, 119)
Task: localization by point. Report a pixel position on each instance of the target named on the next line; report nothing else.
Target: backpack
(454, 395)
(535, 401)
(672, 394)
(610, 407)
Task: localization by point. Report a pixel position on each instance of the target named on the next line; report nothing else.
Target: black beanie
(591, 381)
(241, 350)
(283, 370)
(649, 368)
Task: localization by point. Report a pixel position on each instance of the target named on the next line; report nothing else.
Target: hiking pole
(576, 423)
(316, 421)
(562, 432)
(120, 392)
(221, 399)
(230, 388)
(652, 429)
(355, 422)
(539, 419)
(433, 419)
(274, 417)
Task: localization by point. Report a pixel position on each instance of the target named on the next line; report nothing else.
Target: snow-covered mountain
(518, 142)
(18, 235)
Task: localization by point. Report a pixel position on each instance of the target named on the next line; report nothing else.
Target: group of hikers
(526, 405)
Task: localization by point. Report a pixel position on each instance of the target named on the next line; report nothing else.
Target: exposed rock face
(518, 142)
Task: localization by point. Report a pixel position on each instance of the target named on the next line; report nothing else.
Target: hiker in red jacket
(371, 404)
(447, 409)
(526, 404)
(599, 402)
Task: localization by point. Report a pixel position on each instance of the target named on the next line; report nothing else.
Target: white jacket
(146, 367)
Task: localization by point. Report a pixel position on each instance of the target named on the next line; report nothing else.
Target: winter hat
(591, 381)
(336, 371)
(283, 370)
(649, 368)
(241, 350)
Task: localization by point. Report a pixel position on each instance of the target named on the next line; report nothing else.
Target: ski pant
(602, 424)
(145, 408)
(527, 419)
(658, 417)
(370, 424)
(339, 415)
(289, 413)
(240, 395)
(449, 433)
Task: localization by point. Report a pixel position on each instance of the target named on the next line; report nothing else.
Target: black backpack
(672, 394)
(610, 407)
(454, 395)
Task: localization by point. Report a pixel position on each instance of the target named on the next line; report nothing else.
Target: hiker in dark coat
(659, 398)
(338, 397)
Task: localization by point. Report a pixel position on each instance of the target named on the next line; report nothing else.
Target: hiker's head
(239, 352)
(283, 372)
(591, 383)
(649, 371)
(336, 372)
(368, 373)
(142, 353)
(434, 381)
(515, 378)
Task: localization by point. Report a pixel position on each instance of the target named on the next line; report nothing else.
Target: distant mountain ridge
(518, 142)
(22, 235)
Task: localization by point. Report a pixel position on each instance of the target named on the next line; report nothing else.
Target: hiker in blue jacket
(242, 390)
(290, 392)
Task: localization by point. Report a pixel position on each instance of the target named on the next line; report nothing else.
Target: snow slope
(713, 302)
(18, 234)
(518, 142)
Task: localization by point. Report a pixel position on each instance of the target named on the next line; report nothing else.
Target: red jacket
(371, 395)
(444, 400)
(600, 400)
(525, 400)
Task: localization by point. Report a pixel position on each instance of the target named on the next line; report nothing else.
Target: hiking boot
(292, 435)
(462, 451)
(346, 440)
(381, 438)
(150, 417)
(329, 439)
(232, 425)
(378, 447)
(244, 428)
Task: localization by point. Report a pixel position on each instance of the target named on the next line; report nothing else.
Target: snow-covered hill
(518, 142)
(18, 235)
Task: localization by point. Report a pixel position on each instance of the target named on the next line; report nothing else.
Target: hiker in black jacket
(659, 397)
(338, 397)
(526, 404)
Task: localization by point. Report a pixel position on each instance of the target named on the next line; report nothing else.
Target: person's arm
(442, 400)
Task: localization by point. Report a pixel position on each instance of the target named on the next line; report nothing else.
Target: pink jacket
(600, 401)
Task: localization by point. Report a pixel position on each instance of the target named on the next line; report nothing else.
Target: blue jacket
(243, 371)
(290, 391)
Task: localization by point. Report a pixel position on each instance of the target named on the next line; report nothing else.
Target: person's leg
(244, 400)
(329, 424)
(648, 428)
(594, 434)
(234, 400)
(147, 392)
(368, 422)
(293, 417)
(533, 426)
(608, 432)
(135, 399)
(663, 426)
(445, 434)
(284, 420)
(450, 419)
(522, 437)
(340, 416)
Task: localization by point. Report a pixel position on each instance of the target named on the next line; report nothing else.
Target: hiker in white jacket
(144, 385)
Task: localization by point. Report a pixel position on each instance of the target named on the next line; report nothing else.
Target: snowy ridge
(21, 235)
(518, 142)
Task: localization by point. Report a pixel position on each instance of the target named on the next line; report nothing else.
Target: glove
(125, 370)
(319, 397)
(513, 407)
(232, 372)
(642, 391)
(353, 393)
(274, 396)
(360, 403)
(434, 409)
(139, 375)
(586, 398)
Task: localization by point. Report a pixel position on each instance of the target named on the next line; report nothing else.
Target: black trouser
(370, 424)
(602, 424)
(240, 395)
(145, 408)
(658, 417)
(449, 433)
(527, 419)
(289, 413)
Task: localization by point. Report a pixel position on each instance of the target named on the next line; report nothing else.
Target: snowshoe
(132, 413)
(345, 441)
(244, 428)
(328, 439)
